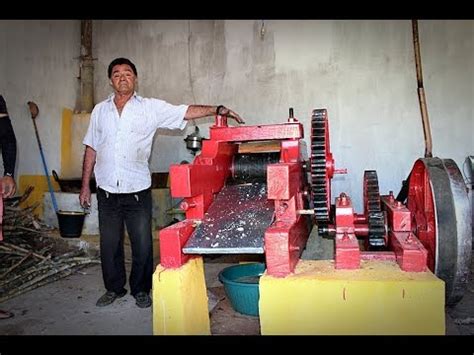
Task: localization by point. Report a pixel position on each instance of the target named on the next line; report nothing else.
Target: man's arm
(87, 168)
(8, 146)
(199, 111)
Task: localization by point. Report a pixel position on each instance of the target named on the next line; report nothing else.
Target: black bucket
(70, 223)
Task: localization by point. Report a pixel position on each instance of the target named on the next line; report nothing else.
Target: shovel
(70, 222)
(34, 113)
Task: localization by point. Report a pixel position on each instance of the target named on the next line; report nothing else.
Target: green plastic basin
(241, 286)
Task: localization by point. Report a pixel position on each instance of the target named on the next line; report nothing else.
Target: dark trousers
(133, 209)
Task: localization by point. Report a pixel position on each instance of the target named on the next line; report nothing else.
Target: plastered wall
(363, 72)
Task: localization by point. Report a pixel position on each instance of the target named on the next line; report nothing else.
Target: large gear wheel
(322, 167)
(373, 211)
(441, 220)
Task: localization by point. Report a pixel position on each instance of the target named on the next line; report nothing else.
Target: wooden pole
(421, 93)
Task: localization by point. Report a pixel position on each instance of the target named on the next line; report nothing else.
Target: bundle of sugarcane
(28, 257)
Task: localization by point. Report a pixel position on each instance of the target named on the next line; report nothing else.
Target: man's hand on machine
(224, 111)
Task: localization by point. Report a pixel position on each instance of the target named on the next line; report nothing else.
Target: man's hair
(119, 61)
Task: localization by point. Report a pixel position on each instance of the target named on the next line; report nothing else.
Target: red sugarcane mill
(255, 190)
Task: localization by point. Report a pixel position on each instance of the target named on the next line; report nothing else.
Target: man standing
(118, 146)
(8, 147)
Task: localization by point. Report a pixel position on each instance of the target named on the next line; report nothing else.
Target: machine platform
(235, 222)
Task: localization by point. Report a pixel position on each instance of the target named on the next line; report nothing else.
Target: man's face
(123, 79)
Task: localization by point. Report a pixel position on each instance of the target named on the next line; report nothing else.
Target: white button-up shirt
(123, 143)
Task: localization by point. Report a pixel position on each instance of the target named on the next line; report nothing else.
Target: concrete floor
(67, 307)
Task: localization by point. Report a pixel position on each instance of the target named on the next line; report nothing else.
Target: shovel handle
(34, 112)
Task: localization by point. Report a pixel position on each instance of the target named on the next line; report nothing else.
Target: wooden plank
(260, 147)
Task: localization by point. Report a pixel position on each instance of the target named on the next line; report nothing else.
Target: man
(8, 146)
(118, 146)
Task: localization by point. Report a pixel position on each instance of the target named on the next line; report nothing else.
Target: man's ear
(110, 82)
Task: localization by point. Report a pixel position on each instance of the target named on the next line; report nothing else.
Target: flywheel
(441, 219)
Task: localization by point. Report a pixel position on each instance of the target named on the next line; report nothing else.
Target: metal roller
(252, 167)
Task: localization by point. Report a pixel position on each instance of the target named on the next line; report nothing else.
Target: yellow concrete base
(377, 299)
(180, 300)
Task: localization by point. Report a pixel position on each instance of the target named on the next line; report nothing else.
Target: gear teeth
(376, 218)
(319, 174)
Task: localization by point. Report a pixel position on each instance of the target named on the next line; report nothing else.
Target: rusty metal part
(235, 223)
(439, 203)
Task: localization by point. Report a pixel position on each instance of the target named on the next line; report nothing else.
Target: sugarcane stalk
(15, 266)
(30, 230)
(50, 273)
(25, 275)
(23, 250)
(23, 259)
(11, 252)
(58, 276)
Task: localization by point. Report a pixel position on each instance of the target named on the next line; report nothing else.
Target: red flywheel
(441, 219)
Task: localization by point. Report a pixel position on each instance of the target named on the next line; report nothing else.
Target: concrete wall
(39, 63)
(363, 72)
(3, 59)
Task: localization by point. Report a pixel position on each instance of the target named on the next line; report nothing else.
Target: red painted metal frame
(397, 214)
(199, 181)
(196, 183)
(254, 133)
(172, 239)
(347, 252)
(421, 204)
(286, 237)
(405, 248)
(410, 253)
